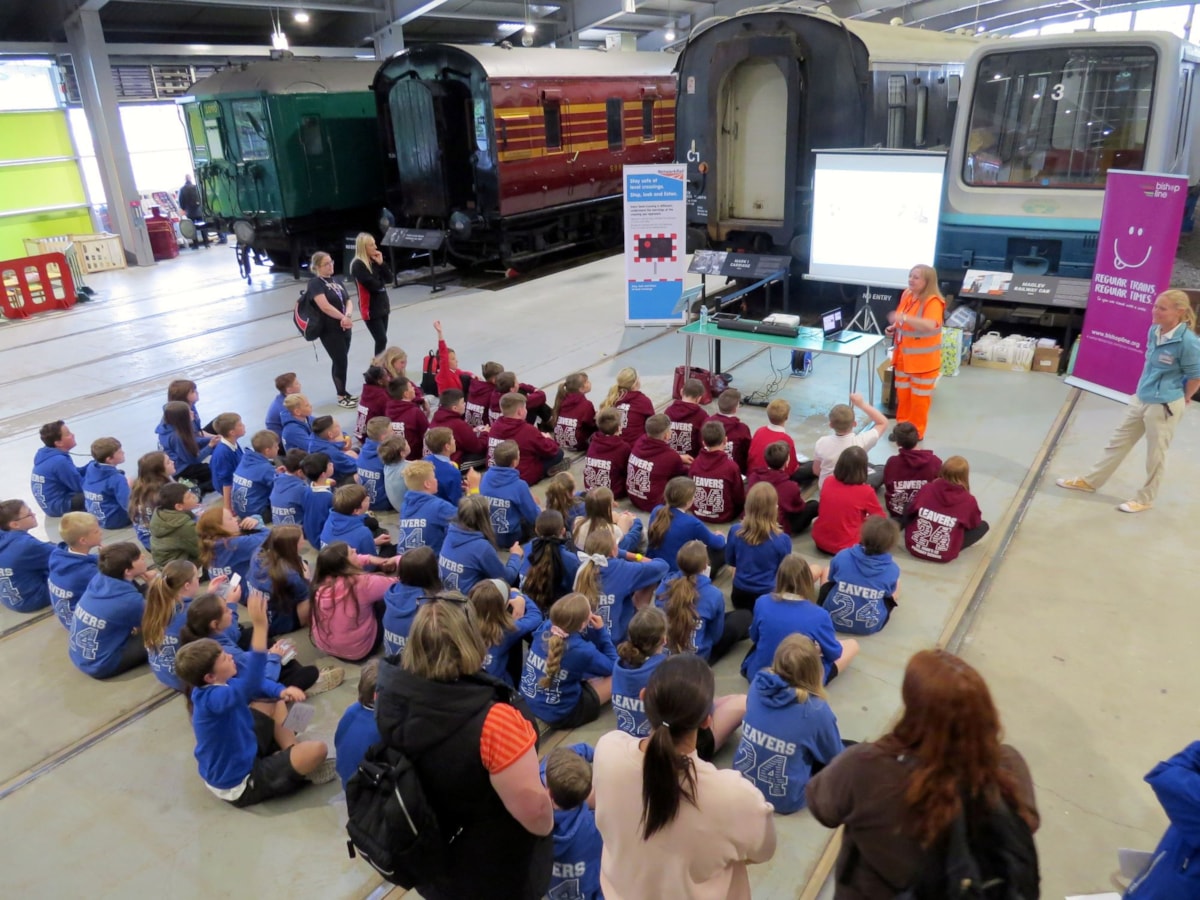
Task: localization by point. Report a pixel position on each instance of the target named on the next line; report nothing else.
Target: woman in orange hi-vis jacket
(916, 331)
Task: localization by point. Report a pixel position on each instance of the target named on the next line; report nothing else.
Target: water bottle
(703, 316)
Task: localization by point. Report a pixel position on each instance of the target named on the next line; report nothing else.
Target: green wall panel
(40, 185)
(34, 135)
(15, 229)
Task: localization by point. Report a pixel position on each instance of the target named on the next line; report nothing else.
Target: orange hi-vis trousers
(914, 394)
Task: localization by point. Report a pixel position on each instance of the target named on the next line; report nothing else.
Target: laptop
(831, 325)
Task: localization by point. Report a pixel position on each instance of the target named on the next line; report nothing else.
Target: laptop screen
(831, 322)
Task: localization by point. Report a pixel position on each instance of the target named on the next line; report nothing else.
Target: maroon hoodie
(605, 465)
(408, 421)
(635, 408)
(905, 474)
(686, 418)
(652, 463)
(576, 422)
(479, 398)
(940, 512)
(737, 438)
(720, 494)
(536, 447)
(372, 402)
(466, 441)
(533, 399)
(790, 498)
(446, 377)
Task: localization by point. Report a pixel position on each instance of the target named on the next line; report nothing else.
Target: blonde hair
(627, 380)
(1183, 303)
(317, 260)
(794, 576)
(210, 529)
(293, 402)
(388, 358)
(761, 520)
(443, 644)
(588, 581)
(360, 250)
(75, 526)
(798, 662)
(568, 613)
(682, 594)
(957, 470)
(929, 273)
(492, 616)
(163, 601)
(778, 411)
(416, 473)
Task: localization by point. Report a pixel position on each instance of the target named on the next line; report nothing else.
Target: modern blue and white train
(1041, 121)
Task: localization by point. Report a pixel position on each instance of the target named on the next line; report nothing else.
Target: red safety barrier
(34, 284)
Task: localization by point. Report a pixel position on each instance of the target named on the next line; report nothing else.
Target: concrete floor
(106, 768)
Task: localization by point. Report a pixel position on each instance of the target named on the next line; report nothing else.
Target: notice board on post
(655, 229)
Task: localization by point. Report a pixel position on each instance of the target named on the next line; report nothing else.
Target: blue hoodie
(400, 605)
(70, 574)
(684, 527)
(495, 661)
(105, 617)
(233, 554)
(253, 481)
(782, 738)
(224, 463)
(710, 607)
(348, 528)
(274, 418)
(587, 655)
(861, 582)
(468, 557)
(343, 463)
(575, 872)
(627, 684)
(106, 494)
(55, 479)
(288, 493)
(170, 444)
(356, 732)
(775, 619)
(449, 478)
(570, 565)
(228, 641)
(370, 475)
(296, 433)
(226, 746)
(1172, 871)
(511, 501)
(24, 568)
(424, 519)
(162, 660)
(317, 507)
(619, 581)
(755, 566)
(278, 622)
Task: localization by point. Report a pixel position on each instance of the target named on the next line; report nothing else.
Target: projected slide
(875, 215)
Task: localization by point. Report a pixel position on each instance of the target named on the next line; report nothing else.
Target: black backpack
(308, 318)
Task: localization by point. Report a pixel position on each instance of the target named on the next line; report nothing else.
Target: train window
(481, 125)
(615, 109)
(953, 86)
(896, 88)
(552, 111)
(647, 120)
(249, 121)
(1059, 117)
(1185, 102)
(311, 137)
(922, 115)
(195, 127)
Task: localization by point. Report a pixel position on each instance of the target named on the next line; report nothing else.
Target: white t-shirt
(830, 447)
(701, 855)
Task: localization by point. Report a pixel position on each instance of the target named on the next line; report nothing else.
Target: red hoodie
(466, 441)
(533, 399)
(720, 494)
(844, 507)
(372, 402)
(652, 463)
(408, 421)
(576, 422)
(605, 465)
(536, 448)
(686, 418)
(941, 512)
(791, 500)
(479, 398)
(905, 474)
(737, 439)
(764, 438)
(446, 377)
(635, 408)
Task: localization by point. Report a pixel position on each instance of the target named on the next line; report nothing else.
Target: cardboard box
(1047, 359)
(978, 363)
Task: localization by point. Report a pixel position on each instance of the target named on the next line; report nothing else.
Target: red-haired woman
(898, 796)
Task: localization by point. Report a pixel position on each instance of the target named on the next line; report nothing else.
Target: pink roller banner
(1139, 234)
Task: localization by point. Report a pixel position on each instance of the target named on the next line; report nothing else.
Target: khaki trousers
(1141, 419)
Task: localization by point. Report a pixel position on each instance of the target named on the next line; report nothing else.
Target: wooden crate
(95, 252)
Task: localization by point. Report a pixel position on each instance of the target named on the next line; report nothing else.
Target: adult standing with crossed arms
(916, 331)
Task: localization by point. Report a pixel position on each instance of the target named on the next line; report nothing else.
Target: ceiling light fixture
(279, 40)
(530, 28)
(301, 16)
(669, 34)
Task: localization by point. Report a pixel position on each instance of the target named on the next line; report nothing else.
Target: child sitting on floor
(419, 580)
(575, 872)
(104, 630)
(289, 490)
(318, 502)
(864, 580)
(393, 453)
(616, 583)
(227, 545)
(631, 404)
(356, 730)
(841, 421)
(470, 444)
(24, 560)
(540, 456)
(328, 439)
(720, 492)
(607, 458)
(549, 565)
(190, 449)
(847, 500)
(155, 471)
(504, 617)
(226, 454)
(778, 411)
(755, 547)
(285, 385)
(408, 418)
(424, 516)
(372, 400)
(644, 647)
(943, 519)
(561, 496)
(468, 554)
(173, 532)
(652, 463)
(568, 672)
(440, 448)
(72, 563)
(537, 411)
(370, 466)
(348, 522)
(254, 477)
(573, 417)
(166, 614)
(297, 423)
(672, 525)
(599, 514)
(908, 471)
(687, 418)
(795, 513)
(695, 607)
(449, 375)
(513, 508)
(737, 434)
(56, 482)
(105, 487)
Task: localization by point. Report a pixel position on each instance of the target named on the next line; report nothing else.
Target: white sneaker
(1075, 484)
(324, 773)
(1132, 506)
(330, 677)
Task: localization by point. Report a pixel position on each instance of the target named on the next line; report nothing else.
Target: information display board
(655, 226)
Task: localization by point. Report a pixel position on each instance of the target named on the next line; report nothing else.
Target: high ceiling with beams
(200, 27)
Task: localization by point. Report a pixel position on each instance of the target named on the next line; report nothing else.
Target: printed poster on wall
(1139, 233)
(655, 262)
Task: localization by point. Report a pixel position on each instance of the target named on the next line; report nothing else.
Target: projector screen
(875, 215)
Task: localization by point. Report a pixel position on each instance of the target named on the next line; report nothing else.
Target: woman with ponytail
(616, 583)
(548, 567)
(696, 618)
(568, 671)
(674, 825)
(672, 525)
(573, 418)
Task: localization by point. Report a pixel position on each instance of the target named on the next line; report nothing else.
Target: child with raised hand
(864, 580)
(786, 710)
(599, 514)
(617, 583)
(575, 872)
(372, 400)
(513, 508)
(72, 563)
(285, 385)
(104, 630)
(549, 564)
(908, 471)
(829, 447)
(105, 487)
(56, 482)
(419, 580)
(227, 545)
(24, 560)
(173, 533)
(672, 525)
(254, 477)
(568, 672)
(792, 609)
(356, 730)
(370, 466)
(155, 471)
(469, 552)
(279, 572)
(166, 614)
(424, 516)
(573, 417)
(644, 648)
(297, 423)
(944, 519)
(226, 454)
(695, 607)
(634, 407)
(449, 375)
(847, 500)
(756, 546)
(347, 603)
(607, 462)
(244, 752)
(189, 448)
(504, 617)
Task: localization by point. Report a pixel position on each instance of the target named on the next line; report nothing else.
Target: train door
(752, 147)
(316, 152)
(435, 136)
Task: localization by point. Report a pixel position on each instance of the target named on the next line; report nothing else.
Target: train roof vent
(137, 83)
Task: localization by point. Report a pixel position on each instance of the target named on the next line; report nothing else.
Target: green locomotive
(287, 154)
